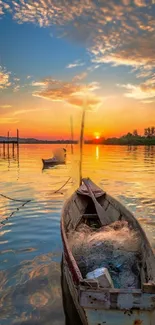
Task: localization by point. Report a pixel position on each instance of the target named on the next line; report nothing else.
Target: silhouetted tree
(152, 131)
(129, 135)
(135, 133)
(149, 132)
(145, 132)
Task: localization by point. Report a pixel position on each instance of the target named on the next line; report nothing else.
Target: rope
(25, 201)
(12, 213)
(62, 186)
(9, 198)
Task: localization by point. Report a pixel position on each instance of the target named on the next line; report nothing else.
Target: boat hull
(70, 309)
(73, 294)
(96, 315)
(51, 163)
(96, 305)
(117, 317)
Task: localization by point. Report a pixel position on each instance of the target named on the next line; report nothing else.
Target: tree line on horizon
(148, 138)
(148, 132)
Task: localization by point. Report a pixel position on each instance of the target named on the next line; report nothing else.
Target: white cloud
(75, 64)
(38, 83)
(79, 77)
(138, 92)
(114, 32)
(4, 78)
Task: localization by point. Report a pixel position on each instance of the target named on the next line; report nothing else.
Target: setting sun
(97, 135)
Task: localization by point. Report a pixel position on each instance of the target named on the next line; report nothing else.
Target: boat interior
(82, 210)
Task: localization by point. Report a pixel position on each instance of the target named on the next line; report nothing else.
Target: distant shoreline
(88, 143)
(122, 141)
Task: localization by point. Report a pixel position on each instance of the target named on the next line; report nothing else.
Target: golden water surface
(30, 241)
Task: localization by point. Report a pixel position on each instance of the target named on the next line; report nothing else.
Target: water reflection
(30, 242)
(10, 153)
(149, 154)
(33, 293)
(97, 152)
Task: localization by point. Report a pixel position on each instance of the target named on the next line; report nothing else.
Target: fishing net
(116, 247)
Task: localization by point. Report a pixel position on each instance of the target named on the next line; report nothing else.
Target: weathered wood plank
(114, 300)
(148, 288)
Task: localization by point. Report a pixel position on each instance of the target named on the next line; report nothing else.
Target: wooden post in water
(13, 146)
(8, 143)
(72, 136)
(18, 147)
(17, 136)
(4, 148)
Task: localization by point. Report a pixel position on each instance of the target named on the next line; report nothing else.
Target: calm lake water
(30, 242)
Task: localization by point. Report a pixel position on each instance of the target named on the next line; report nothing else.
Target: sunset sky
(57, 56)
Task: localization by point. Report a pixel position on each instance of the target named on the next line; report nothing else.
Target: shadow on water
(71, 314)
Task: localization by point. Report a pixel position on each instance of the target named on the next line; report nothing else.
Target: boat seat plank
(90, 215)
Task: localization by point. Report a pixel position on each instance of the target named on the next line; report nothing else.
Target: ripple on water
(30, 242)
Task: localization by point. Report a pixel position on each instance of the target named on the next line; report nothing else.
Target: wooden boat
(52, 162)
(97, 305)
(56, 160)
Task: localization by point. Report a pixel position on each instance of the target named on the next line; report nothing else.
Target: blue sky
(53, 54)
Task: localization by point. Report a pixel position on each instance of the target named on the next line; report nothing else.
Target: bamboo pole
(81, 144)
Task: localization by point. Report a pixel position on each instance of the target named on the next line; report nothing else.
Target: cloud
(80, 76)
(114, 32)
(140, 92)
(140, 3)
(16, 88)
(147, 101)
(16, 79)
(8, 120)
(71, 92)
(90, 102)
(38, 83)
(4, 78)
(75, 64)
(25, 111)
(5, 106)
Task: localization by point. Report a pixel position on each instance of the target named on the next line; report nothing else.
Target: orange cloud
(70, 92)
(5, 106)
(8, 120)
(114, 32)
(90, 102)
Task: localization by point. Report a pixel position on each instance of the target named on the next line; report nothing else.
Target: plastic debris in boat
(103, 277)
